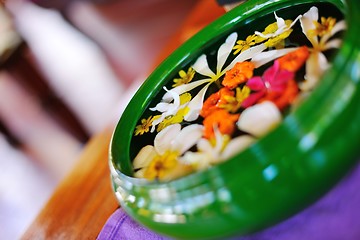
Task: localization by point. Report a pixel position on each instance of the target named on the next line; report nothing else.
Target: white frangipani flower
(211, 152)
(160, 160)
(317, 63)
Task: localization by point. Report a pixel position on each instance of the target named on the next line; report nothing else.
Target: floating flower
(185, 77)
(215, 150)
(277, 32)
(286, 97)
(172, 110)
(259, 119)
(215, 100)
(294, 60)
(240, 73)
(319, 35)
(242, 45)
(274, 81)
(221, 119)
(144, 127)
(161, 160)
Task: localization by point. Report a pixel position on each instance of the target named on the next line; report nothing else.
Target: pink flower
(274, 81)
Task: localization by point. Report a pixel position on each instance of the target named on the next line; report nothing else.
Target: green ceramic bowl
(281, 174)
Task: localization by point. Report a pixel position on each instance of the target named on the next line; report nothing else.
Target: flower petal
(164, 138)
(225, 50)
(252, 99)
(307, 22)
(161, 107)
(198, 160)
(335, 43)
(316, 65)
(184, 88)
(196, 104)
(178, 171)
(201, 66)
(144, 157)
(259, 119)
(246, 55)
(256, 83)
(236, 146)
(268, 56)
(187, 138)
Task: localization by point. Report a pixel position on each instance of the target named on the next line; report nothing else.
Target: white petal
(187, 138)
(161, 107)
(268, 56)
(307, 24)
(335, 43)
(196, 104)
(246, 55)
(144, 157)
(259, 119)
(224, 51)
(237, 145)
(184, 88)
(316, 65)
(157, 121)
(205, 146)
(201, 66)
(339, 26)
(140, 173)
(198, 160)
(164, 138)
(280, 22)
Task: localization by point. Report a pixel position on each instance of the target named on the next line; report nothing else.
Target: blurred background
(67, 70)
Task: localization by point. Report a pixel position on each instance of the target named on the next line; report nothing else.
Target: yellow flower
(233, 103)
(145, 125)
(160, 165)
(177, 118)
(185, 77)
(323, 28)
(242, 45)
(277, 40)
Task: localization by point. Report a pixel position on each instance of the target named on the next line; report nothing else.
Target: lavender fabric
(335, 216)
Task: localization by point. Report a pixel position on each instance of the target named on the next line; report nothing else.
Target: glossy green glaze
(280, 175)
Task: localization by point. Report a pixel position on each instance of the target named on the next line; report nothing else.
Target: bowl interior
(256, 15)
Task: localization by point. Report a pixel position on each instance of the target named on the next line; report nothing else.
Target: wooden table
(81, 204)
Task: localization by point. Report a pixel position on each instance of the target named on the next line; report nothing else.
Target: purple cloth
(335, 216)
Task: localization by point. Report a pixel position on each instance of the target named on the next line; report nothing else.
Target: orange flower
(293, 61)
(240, 73)
(213, 102)
(223, 120)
